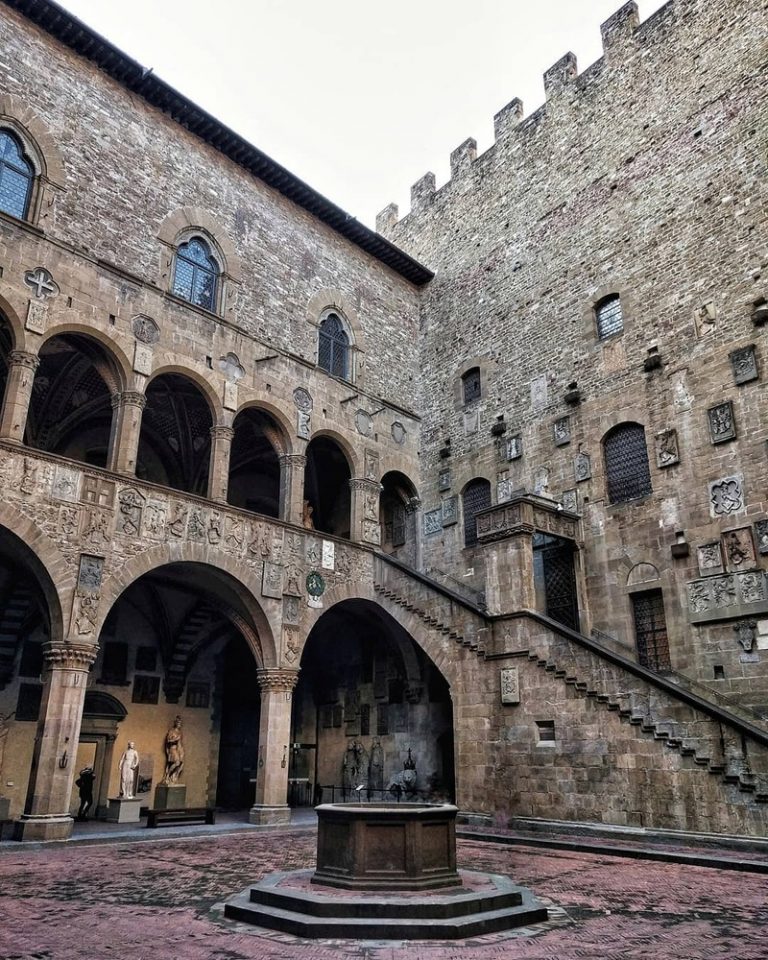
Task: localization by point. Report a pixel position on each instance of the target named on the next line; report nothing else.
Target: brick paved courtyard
(158, 898)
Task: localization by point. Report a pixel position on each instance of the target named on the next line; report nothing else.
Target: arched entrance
(98, 733)
(366, 696)
(397, 509)
(326, 487)
(254, 463)
(70, 411)
(30, 615)
(180, 642)
(175, 438)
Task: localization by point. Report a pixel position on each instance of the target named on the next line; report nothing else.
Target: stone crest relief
(739, 549)
(666, 447)
(515, 447)
(510, 685)
(371, 465)
(561, 431)
(41, 281)
(272, 580)
(710, 558)
(145, 329)
(364, 423)
(433, 522)
(722, 426)
(399, 433)
(450, 511)
(761, 535)
(66, 484)
(744, 364)
(582, 467)
(726, 496)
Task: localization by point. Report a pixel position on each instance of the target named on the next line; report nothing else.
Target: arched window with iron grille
(476, 497)
(16, 176)
(196, 275)
(627, 472)
(333, 347)
(609, 317)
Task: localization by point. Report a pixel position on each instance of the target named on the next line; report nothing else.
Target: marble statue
(129, 764)
(174, 753)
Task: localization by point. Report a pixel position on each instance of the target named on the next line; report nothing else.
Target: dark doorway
(239, 739)
(554, 578)
(651, 630)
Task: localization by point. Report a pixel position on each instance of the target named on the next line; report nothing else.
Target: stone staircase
(728, 743)
(187, 639)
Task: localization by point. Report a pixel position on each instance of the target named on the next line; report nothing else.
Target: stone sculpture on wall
(726, 496)
(667, 452)
(744, 364)
(739, 549)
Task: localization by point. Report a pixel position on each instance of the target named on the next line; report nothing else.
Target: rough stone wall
(128, 168)
(645, 177)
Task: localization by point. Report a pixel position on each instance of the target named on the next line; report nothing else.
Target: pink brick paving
(158, 900)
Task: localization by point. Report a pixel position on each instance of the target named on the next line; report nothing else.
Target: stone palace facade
(472, 506)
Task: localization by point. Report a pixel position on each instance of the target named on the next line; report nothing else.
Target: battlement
(620, 34)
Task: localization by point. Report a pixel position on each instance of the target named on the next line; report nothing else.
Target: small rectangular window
(471, 385)
(114, 663)
(609, 317)
(146, 689)
(198, 694)
(546, 731)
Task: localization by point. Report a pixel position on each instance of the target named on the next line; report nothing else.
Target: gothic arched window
(196, 275)
(609, 317)
(476, 497)
(627, 473)
(16, 176)
(333, 347)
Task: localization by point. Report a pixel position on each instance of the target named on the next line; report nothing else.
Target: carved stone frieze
(503, 521)
(130, 512)
(433, 522)
(66, 484)
(89, 574)
(727, 596)
(371, 465)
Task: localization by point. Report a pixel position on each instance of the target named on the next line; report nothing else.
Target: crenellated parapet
(562, 80)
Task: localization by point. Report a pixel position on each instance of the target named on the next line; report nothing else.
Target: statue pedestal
(121, 810)
(170, 796)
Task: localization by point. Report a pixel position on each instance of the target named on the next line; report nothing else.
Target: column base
(269, 815)
(29, 827)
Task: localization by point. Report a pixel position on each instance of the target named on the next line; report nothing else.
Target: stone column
(46, 816)
(270, 805)
(126, 429)
(292, 467)
(413, 515)
(221, 447)
(364, 522)
(18, 391)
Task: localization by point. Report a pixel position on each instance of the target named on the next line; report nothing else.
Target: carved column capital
(363, 485)
(69, 655)
(22, 358)
(293, 460)
(413, 504)
(221, 432)
(132, 398)
(277, 679)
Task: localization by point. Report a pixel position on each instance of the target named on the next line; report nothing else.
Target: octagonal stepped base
(487, 903)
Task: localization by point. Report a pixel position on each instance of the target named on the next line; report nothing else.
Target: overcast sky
(359, 99)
